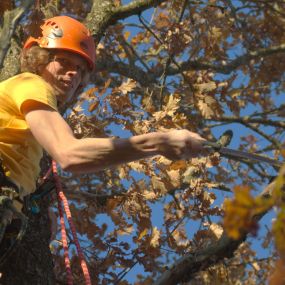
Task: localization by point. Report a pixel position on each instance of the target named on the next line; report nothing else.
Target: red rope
(47, 174)
(62, 224)
(62, 198)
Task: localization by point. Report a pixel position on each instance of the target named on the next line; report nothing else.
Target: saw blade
(234, 154)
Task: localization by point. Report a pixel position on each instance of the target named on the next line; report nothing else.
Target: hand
(182, 144)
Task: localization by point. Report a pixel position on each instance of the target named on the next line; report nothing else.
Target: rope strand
(62, 198)
(62, 224)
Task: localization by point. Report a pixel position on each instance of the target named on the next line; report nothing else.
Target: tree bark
(30, 262)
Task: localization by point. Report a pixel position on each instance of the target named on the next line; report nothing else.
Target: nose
(72, 72)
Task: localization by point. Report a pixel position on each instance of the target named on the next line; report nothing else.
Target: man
(55, 67)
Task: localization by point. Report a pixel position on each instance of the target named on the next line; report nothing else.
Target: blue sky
(239, 131)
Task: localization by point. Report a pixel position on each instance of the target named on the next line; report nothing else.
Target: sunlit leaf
(127, 86)
(155, 236)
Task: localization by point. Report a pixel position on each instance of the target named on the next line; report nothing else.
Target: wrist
(151, 143)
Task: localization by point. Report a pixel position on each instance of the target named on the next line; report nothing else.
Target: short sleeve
(28, 86)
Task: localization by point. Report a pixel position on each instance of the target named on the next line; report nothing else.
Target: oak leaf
(93, 106)
(126, 230)
(137, 166)
(127, 35)
(174, 176)
(234, 93)
(169, 109)
(158, 185)
(143, 233)
(192, 172)
(217, 230)
(209, 107)
(179, 165)
(216, 33)
(240, 211)
(164, 161)
(162, 21)
(128, 86)
(172, 105)
(180, 237)
(155, 236)
(149, 195)
(123, 173)
(205, 87)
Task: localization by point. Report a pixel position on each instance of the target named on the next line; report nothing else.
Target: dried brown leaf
(126, 230)
(127, 86)
(158, 185)
(155, 236)
(205, 87)
(209, 107)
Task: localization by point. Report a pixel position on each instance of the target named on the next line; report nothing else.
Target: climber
(55, 67)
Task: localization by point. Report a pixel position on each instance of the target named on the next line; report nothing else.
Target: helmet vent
(56, 32)
(51, 23)
(84, 45)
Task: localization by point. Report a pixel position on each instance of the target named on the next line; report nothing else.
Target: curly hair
(34, 59)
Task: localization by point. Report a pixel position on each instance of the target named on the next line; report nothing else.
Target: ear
(40, 69)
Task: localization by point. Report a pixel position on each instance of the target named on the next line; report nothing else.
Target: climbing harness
(43, 189)
(8, 213)
(9, 192)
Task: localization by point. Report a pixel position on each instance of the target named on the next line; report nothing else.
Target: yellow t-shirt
(19, 150)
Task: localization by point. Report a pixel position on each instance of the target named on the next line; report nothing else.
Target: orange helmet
(66, 33)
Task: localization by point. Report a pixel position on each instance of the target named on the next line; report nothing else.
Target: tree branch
(227, 67)
(247, 120)
(130, 71)
(186, 267)
(11, 19)
(146, 78)
(104, 14)
(133, 8)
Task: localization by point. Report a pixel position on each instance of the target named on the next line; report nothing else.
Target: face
(65, 73)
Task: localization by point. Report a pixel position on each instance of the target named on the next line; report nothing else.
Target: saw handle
(212, 145)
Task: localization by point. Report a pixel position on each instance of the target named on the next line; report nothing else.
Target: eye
(66, 63)
(80, 68)
(62, 61)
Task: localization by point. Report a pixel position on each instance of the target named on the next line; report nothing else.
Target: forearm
(88, 155)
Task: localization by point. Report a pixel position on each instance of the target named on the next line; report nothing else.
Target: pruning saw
(237, 154)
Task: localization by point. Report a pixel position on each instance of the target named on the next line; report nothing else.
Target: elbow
(65, 161)
(66, 166)
(74, 159)
(69, 162)
(66, 155)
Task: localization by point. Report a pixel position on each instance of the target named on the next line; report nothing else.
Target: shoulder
(28, 86)
(26, 82)
(29, 83)
(29, 78)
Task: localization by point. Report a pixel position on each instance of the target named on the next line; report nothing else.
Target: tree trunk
(30, 262)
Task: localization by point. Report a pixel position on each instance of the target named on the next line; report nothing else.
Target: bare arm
(91, 154)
